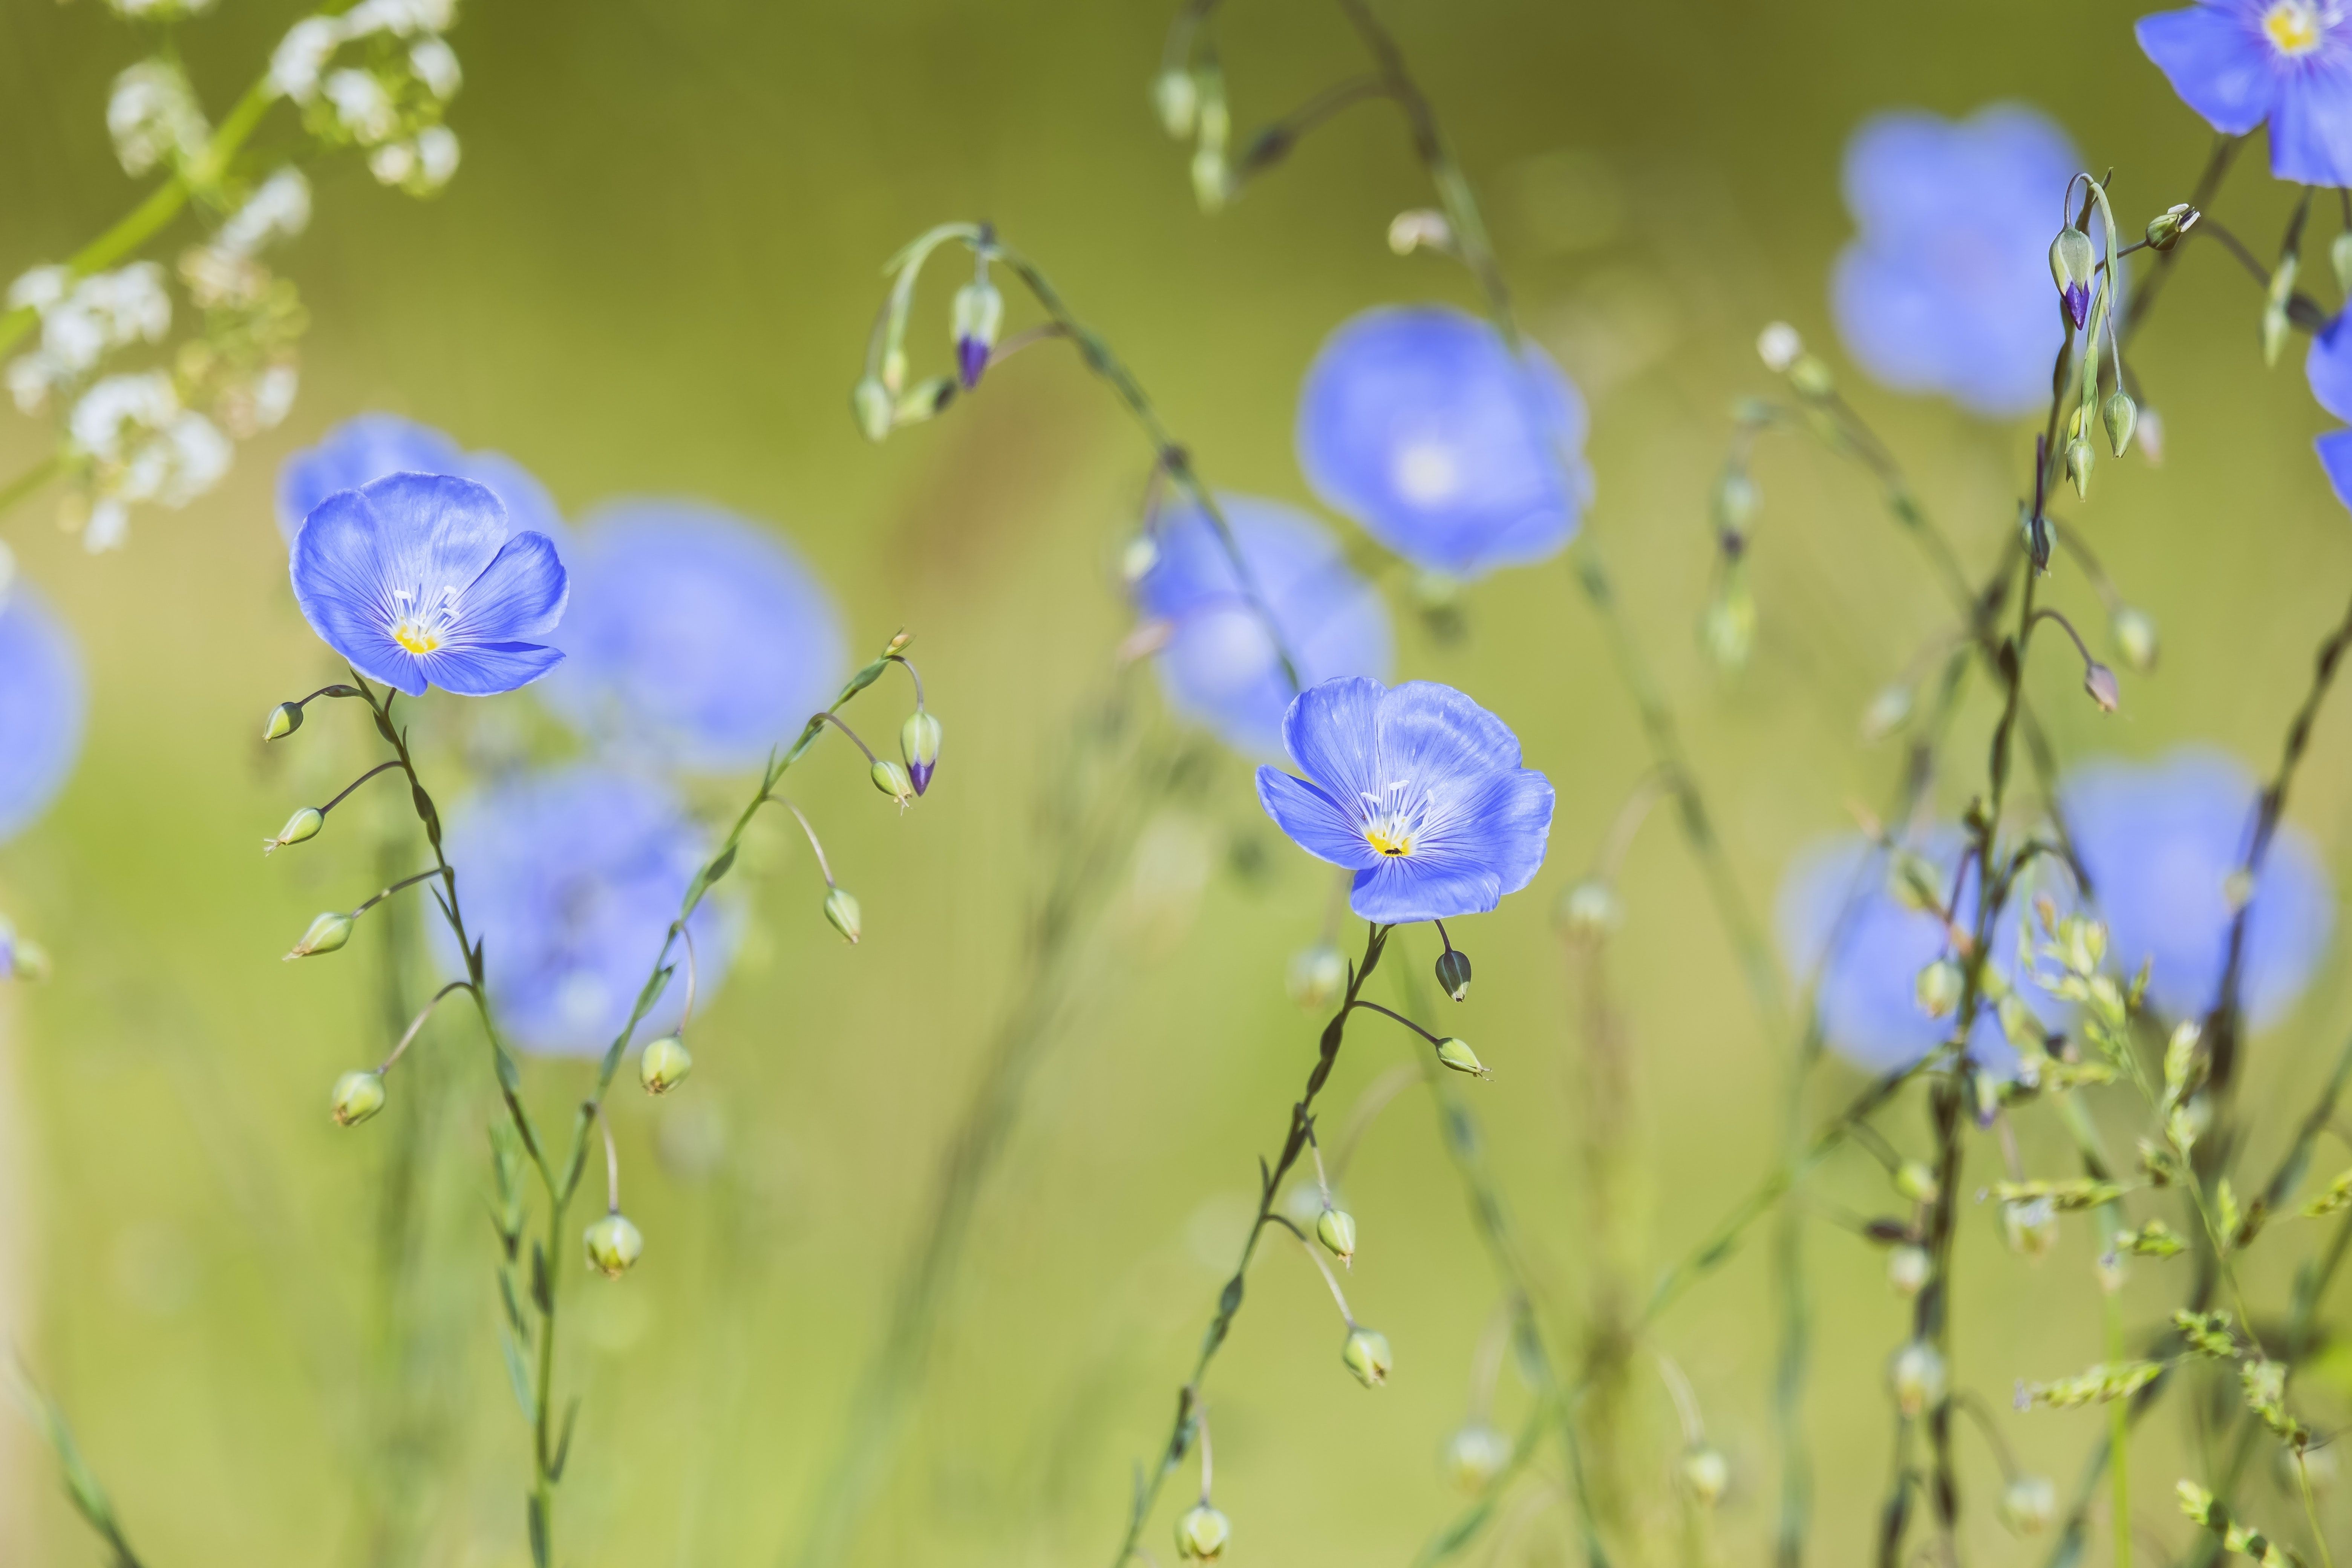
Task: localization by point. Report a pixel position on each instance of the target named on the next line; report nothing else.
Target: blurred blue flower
(2328, 368)
(1218, 664)
(1846, 931)
(1417, 422)
(693, 634)
(417, 581)
(1417, 790)
(1945, 288)
(41, 703)
(569, 879)
(2240, 62)
(2160, 842)
(370, 446)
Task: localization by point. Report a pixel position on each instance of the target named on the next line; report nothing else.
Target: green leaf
(517, 1376)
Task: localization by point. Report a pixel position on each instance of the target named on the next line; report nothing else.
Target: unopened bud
(1318, 974)
(918, 743)
(1938, 988)
(1590, 911)
(840, 909)
(2165, 230)
(924, 400)
(1736, 501)
(1915, 1376)
(614, 1243)
(1366, 1355)
(664, 1065)
(1811, 377)
(358, 1096)
(1201, 1533)
(1419, 228)
(2080, 459)
(978, 312)
(1453, 973)
(2035, 527)
(1212, 184)
(2031, 1227)
(2339, 256)
(1176, 100)
(1915, 1181)
(1887, 711)
(284, 719)
(2072, 265)
(2100, 682)
(1707, 1474)
(327, 933)
(892, 780)
(1907, 1270)
(2275, 318)
(1336, 1229)
(1475, 1455)
(870, 402)
(304, 824)
(1457, 1054)
(1777, 345)
(2134, 634)
(1728, 629)
(2151, 436)
(2122, 415)
(2029, 1505)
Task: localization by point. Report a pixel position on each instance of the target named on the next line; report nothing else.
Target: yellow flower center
(422, 630)
(1392, 822)
(1390, 837)
(415, 638)
(2294, 26)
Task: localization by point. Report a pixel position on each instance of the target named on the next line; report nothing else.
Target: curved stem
(822, 863)
(418, 1023)
(685, 1013)
(903, 662)
(1401, 1018)
(829, 716)
(612, 1165)
(380, 767)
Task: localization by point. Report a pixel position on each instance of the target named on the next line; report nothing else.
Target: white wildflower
(302, 54)
(215, 277)
(392, 163)
(436, 157)
(40, 287)
(30, 377)
(405, 17)
(195, 457)
(105, 311)
(435, 65)
(114, 414)
(279, 210)
(273, 395)
(108, 528)
(361, 104)
(152, 116)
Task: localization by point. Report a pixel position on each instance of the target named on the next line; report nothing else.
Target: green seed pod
(2081, 458)
(1336, 1229)
(327, 933)
(1453, 973)
(1201, 1533)
(284, 719)
(2122, 417)
(614, 1243)
(2165, 230)
(1366, 1355)
(1475, 1455)
(1457, 1054)
(840, 909)
(358, 1096)
(664, 1064)
(303, 825)
(870, 402)
(1811, 377)
(1915, 1376)
(892, 780)
(1938, 988)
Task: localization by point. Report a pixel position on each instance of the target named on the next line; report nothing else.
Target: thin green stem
(2119, 1435)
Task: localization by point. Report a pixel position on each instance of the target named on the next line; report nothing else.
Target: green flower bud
(1590, 911)
(1811, 377)
(2339, 256)
(2073, 266)
(2122, 415)
(1915, 1376)
(2081, 458)
(1938, 988)
(1457, 1054)
(304, 824)
(870, 402)
(1475, 1455)
(1336, 1229)
(1318, 974)
(978, 312)
(284, 719)
(918, 743)
(892, 780)
(1176, 100)
(664, 1064)
(1212, 183)
(1915, 1181)
(2031, 1227)
(840, 909)
(1366, 1355)
(2029, 1505)
(927, 399)
(1736, 501)
(2134, 634)
(2165, 230)
(2275, 319)
(327, 933)
(614, 1243)
(1727, 630)
(1907, 1268)
(1707, 1474)
(1887, 713)
(358, 1096)
(2100, 682)
(1201, 1534)
(1453, 973)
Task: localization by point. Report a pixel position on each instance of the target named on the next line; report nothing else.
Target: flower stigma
(2295, 27)
(423, 633)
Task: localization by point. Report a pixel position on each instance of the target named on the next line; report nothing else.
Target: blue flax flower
(1418, 421)
(2328, 368)
(2240, 62)
(370, 446)
(2160, 842)
(1218, 663)
(693, 634)
(1417, 790)
(1845, 931)
(41, 703)
(417, 581)
(1946, 287)
(569, 880)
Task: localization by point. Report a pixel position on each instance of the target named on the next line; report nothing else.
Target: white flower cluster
(143, 444)
(153, 116)
(224, 270)
(390, 103)
(81, 322)
(158, 10)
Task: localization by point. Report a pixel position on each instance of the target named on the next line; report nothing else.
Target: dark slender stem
(384, 893)
(1401, 1018)
(380, 767)
(1274, 143)
(834, 719)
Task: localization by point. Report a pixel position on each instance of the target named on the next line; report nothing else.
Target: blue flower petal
(342, 585)
(2335, 457)
(357, 452)
(2219, 64)
(1332, 734)
(485, 670)
(1397, 892)
(41, 706)
(2310, 128)
(1428, 731)
(519, 595)
(2328, 368)
(1313, 820)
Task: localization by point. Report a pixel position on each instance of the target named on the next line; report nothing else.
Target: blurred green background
(655, 274)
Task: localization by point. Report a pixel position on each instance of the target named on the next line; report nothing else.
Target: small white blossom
(436, 156)
(29, 379)
(108, 528)
(114, 415)
(152, 115)
(273, 395)
(302, 54)
(194, 457)
(215, 277)
(392, 163)
(279, 210)
(40, 287)
(405, 17)
(1777, 345)
(435, 65)
(361, 104)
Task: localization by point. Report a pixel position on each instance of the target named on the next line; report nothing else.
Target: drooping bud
(2030, 1226)
(2072, 265)
(1907, 1270)
(1707, 1474)
(1366, 1355)
(1811, 377)
(1937, 988)
(2165, 230)
(840, 909)
(1176, 100)
(664, 1064)
(1336, 1229)
(1727, 630)
(1453, 973)
(614, 1243)
(1457, 1054)
(1916, 1181)
(2339, 256)
(978, 312)
(1736, 501)
(304, 824)
(1419, 228)
(1201, 1533)
(870, 402)
(358, 1096)
(924, 400)
(2122, 417)
(1777, 345)
(2275, 318)
(1318, 974)
(2035, 527)
(918, 743)
(327, 933)
(1590, 911)
(1915, 1376)
(284, 719)
(2080, 459)
(2029, 1505)
(2100, 682)
(2134, 634)
(892, 780)
(1475, 1455)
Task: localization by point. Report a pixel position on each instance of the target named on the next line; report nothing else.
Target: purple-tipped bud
(979, 311)
(918, 743)
(2077, 298)
(2072, 265)
(972, 358)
